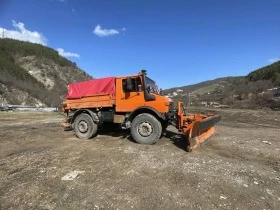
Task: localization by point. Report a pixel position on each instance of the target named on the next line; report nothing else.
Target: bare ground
(237, 168)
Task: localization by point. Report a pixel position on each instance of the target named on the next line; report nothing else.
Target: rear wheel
(84, 127)
(145, 129)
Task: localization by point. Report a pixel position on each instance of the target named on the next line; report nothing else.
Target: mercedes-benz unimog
(134, 102)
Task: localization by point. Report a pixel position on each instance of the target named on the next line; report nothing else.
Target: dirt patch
(234, 169)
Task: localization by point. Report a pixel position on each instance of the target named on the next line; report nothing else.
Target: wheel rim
(83, 127)
(145, 129)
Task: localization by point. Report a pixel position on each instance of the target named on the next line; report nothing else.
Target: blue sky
(179, 42)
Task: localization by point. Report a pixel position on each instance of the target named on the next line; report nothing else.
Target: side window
(135, 83)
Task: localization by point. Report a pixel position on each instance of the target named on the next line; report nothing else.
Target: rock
(267, 142)
(72, 175)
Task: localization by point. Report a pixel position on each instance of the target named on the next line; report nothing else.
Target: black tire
(84, 126)
(145, 129)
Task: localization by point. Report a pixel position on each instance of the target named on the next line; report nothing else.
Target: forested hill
(258, 89)
(271, 72)
(32, 74)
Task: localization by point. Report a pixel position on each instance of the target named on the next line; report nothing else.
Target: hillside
(259, 89)
(32, 74)
(270, 72)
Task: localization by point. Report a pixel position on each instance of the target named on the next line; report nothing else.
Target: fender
(90, 112)
(146, 109)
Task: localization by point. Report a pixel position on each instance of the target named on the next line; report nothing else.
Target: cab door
(129, 94)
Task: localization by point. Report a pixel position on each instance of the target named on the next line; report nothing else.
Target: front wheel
(84, 126)
(145, 129)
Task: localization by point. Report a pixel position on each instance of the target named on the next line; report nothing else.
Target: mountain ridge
(32, 74)
(259, 89)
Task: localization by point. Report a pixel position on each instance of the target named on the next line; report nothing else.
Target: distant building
(204, 103)
(179, 90)
(271, 89)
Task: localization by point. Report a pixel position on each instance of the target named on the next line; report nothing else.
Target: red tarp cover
(91, 88)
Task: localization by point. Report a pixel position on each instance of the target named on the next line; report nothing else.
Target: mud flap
(200, 131)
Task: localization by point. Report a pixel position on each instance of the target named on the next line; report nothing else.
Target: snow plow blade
(200, 131)
(196, 127)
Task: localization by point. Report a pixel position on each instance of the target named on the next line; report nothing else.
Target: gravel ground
(237, 168)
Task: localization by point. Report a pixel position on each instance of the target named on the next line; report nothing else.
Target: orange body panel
(126, 102)
(161, 104)
(96, 101)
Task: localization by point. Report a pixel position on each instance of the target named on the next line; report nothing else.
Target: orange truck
(133, 102)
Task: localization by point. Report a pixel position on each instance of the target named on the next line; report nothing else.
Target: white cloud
(23, 34)
(273, 60)
(63, 53)
(102, 32)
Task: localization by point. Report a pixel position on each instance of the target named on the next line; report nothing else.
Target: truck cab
(138, 92)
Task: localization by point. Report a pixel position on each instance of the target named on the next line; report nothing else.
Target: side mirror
(148, 89)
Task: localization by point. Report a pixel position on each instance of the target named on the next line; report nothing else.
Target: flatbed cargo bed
(96, 101)
(94, 93)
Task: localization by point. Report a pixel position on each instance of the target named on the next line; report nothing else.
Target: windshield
(152, 85)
